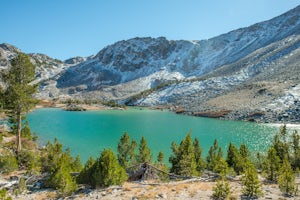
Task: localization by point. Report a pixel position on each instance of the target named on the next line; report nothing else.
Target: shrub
(252, 186)
(21, 187)
(221, 190)
(106, 171)
(59, 164)
(3, 195)
(183, 159)
(26, 132)
(286, 179)
(8, 163)
(30, 160)
(126, 149)
(62, 181)
(85, 173)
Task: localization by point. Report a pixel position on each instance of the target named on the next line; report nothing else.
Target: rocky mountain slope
(250, 73)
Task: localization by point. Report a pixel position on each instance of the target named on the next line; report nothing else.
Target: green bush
(26, 132)
(30, 160)
(105, 171)
(8, 163)
(286, 179)
(3, 195)
(76, 165)
(62, 181)
(21, 187)
(221, 190)
(251, 184)
(59, 164)
(84, 175)
(183, 159)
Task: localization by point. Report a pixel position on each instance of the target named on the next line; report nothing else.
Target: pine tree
(106, 171)
(214, 155)
(8, 162)
(76, 166)
(126, 150)
(160, 157)
(251, 184)
(84, 175)
(62, 181)
(221, 168)
(286, 178)
(59, 164)
(162, 166)
(296, 150)
(259, 161)
(234, 159)
(144, 152)
(221, 191)
(280, 143)
(174, 158)
(244, 152)
(19, 90)
(271, 165)
(183, 159)
(198, 156)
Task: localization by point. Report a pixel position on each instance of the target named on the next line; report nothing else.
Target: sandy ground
(180, 190)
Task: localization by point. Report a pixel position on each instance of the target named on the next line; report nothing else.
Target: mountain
(249, 73)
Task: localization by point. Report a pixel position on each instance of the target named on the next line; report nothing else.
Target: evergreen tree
(160, 157)
(286, 178)
(259, 161)
(8, 162)
(234, 159)
(19, 90)
(31, 160)
(62, 181)
(162, 166)
(221, 168)
(221, 191)
(183, 161)
(126, 150)
(198, 156)
(295, 150)
(76, 166)
(59, 164)
(271, 165)
(280, 143)
(251, 184)
(214, 155)
(106, 171)
(26, 132)
(84, 175)
(174, 158)
(244, 152)
(144, 152)
(51, 156)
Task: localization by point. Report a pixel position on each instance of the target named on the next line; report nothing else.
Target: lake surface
(88, 133)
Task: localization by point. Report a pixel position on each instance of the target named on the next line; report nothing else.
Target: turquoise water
(87, 133)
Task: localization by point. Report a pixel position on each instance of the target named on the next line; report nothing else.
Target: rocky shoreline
(289, 116)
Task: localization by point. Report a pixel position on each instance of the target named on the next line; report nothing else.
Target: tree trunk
(19, 127)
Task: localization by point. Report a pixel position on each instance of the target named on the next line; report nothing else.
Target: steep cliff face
(138, 58)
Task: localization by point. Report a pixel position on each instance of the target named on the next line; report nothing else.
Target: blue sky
(68, 28)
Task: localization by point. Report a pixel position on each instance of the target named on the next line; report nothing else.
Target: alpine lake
(88, 133)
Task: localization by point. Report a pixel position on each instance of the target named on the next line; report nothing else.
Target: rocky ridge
(251, 72)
